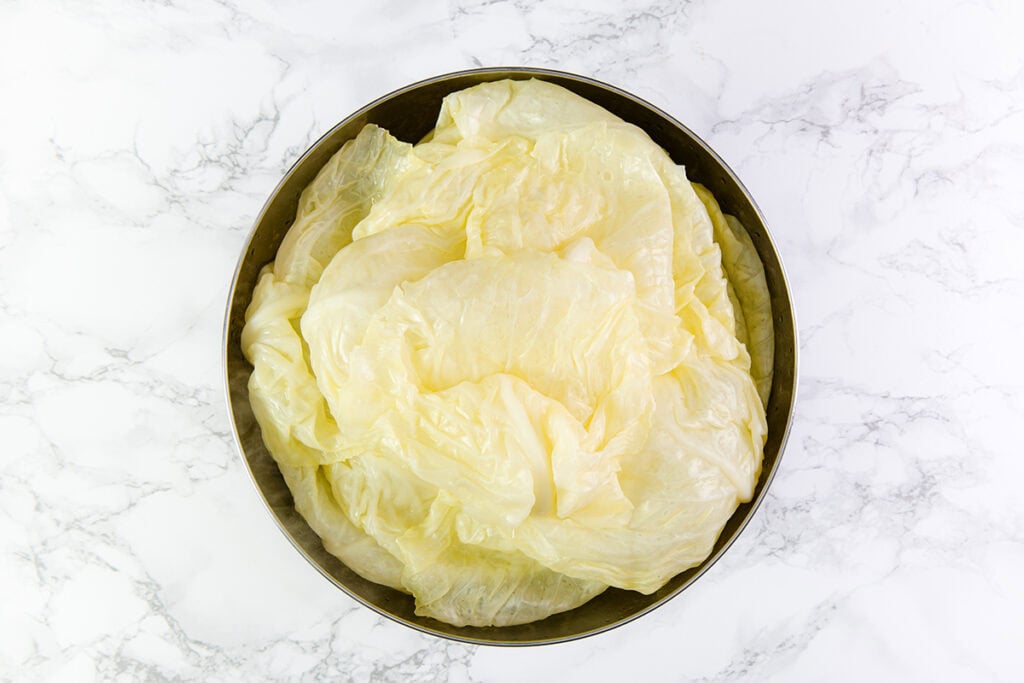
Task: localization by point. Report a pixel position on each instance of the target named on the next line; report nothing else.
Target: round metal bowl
(409, 113)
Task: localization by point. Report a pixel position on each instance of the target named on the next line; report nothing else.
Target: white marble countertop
(885, 143)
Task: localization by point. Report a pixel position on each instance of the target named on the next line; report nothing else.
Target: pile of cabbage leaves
(514, 364)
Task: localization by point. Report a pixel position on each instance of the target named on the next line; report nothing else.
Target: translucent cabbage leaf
(504, 368)
(748, 290)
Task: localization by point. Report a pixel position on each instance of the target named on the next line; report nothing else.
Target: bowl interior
(409, 114)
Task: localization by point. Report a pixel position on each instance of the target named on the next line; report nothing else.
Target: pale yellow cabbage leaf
(748, 288)
(501, 369)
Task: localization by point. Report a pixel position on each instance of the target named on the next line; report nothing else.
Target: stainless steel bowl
(409, 113)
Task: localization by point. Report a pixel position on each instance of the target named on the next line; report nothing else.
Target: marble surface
(885, 143)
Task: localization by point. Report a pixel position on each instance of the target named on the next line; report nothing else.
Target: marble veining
(885, 144)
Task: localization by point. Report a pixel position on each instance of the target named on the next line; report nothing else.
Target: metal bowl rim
(754, 504)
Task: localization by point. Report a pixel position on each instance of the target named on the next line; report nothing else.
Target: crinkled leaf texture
(502, 369)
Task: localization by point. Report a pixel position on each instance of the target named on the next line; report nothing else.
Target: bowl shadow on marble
(409, 113)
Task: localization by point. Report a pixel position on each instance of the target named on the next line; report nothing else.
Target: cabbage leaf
(510, 366)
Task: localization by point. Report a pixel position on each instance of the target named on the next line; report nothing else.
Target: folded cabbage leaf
(748, 289)
(510, 366)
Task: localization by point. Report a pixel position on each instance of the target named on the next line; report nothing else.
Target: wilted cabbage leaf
(503, 369)
(748, 291)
